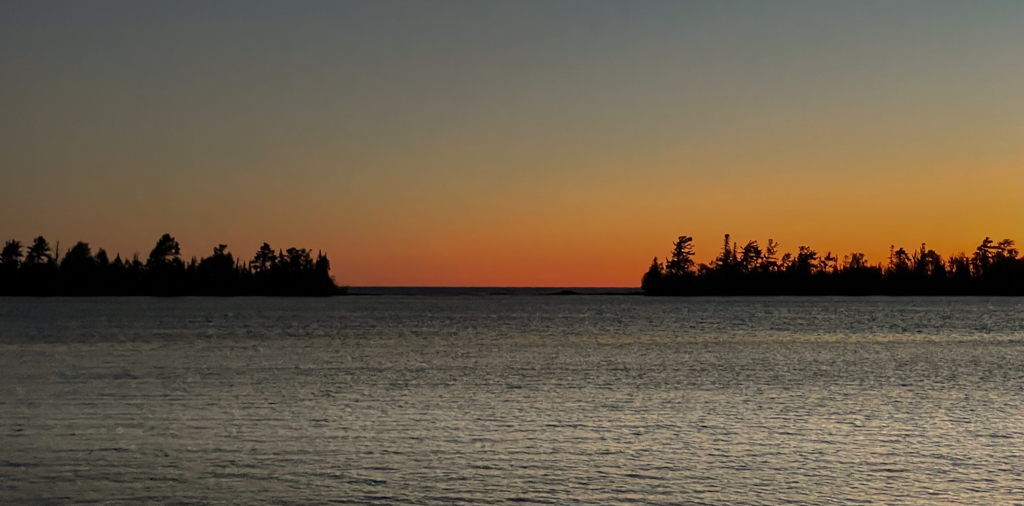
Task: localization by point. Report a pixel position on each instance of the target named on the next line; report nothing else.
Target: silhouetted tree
(321, 282)
(217, 274)
(38, 274)
(79, 256)
(1004, 250)
(806, 259)
(164, 269)
(929, 264)
(166, 252)
(39, 252)
(771, 259)
(651, 282)
(829, 264)
(726, 258)
(78, 270)
(101, 258)
(264, 259)
(982, 256)
(11, 255)
(855, 261)
(899, 261)
(786, 261)
(10, 262)
(681, 261)
(750, 257)
(1005, 273)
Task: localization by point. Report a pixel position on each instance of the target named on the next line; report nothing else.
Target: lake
(479, 398)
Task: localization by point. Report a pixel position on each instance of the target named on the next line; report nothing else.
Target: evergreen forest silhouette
(992, 269)
(39, 270)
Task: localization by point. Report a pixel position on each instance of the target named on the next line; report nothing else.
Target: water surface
(490, 399)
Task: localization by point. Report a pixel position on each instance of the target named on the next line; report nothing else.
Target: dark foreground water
(493, 399)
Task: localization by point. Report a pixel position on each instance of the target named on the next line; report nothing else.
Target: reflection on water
(440, 400)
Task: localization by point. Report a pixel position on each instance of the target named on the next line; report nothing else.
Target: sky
(526, 143)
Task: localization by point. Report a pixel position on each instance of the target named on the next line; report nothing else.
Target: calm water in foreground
(491, 399)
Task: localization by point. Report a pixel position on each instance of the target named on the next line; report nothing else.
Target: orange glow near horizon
(606, 234)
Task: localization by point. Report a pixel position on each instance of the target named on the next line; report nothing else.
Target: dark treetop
(992, 269)
(38, 270)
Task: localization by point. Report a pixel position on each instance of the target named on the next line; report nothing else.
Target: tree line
(38, 270)
(992, 269)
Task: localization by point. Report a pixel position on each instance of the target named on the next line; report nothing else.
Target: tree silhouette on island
(993, 269)
(40, 271)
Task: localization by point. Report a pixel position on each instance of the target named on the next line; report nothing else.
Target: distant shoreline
(993, 269)
(430, 292)
(39, 270)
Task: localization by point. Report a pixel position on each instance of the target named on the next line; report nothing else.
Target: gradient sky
(511, 143)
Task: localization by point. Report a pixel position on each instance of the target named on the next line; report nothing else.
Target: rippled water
(491, 399)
